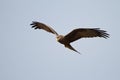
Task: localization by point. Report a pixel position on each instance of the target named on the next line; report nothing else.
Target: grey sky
(26, 54)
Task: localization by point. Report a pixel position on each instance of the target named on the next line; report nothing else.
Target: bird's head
(59, 37)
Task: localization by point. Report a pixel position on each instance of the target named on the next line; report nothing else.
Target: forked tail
(70, 47)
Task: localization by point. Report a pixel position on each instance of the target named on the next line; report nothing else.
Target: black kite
(73, 35)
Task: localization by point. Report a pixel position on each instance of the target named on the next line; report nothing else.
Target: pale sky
(28, 54)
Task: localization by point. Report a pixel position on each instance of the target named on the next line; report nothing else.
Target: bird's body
(73, 35)
(60, 39)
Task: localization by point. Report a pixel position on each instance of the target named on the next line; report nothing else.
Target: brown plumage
(73, 35)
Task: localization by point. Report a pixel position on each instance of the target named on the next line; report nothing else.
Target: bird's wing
(38, 25)
(85, 33)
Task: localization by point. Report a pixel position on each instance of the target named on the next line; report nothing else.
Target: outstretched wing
(38, 25)
(85, 33)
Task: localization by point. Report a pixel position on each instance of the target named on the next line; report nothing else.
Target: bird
(72, 36)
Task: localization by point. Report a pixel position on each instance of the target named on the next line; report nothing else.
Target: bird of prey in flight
(73, 35)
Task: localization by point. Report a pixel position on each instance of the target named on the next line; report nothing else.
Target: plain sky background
(28, 54)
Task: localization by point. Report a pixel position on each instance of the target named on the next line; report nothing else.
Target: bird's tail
(70, 47)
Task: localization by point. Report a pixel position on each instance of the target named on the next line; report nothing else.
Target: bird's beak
(56, 38)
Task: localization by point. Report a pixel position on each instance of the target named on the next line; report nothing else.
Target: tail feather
(70, 47)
